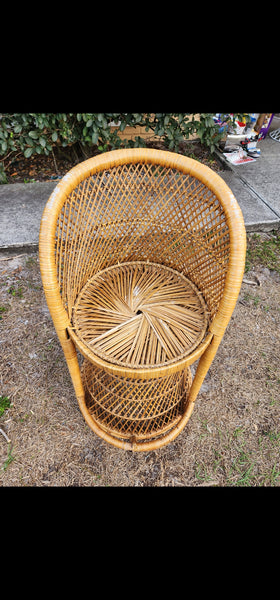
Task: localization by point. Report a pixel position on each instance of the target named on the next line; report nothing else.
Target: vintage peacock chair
(142, 255)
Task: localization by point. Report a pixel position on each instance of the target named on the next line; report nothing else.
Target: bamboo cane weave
(150, 207)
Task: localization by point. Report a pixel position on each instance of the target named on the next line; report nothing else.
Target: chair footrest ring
(135, 410)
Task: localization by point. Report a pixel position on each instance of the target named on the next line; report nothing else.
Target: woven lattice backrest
(142, 211)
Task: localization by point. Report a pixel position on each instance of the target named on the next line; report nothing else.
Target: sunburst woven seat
(142, 255)
(140, 314)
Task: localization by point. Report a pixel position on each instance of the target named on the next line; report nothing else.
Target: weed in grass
(4, 404)
(2, 310)
(246, 478)
(18, 292)
(30, 262)
(242, 465)
(263, 252)
(218, 462)
(271, 435)
(201, 472)
(9, 459)
(238, 432)
(273, 476)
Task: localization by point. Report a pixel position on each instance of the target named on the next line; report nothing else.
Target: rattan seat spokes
(140, 314)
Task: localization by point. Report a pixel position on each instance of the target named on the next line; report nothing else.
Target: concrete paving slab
(256, 185)
(264, 174)
(21, 208)
(257, 215)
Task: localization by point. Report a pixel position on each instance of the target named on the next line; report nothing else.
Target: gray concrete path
(21, 208)
(256, 187)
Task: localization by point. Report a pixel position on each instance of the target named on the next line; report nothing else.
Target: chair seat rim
(149, 372)
(170, 307)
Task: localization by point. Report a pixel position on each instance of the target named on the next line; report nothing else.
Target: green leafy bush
(40, 133)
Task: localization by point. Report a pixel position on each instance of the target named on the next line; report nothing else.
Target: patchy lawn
(231, 439)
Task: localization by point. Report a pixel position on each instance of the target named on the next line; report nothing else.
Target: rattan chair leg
(203, 367)
(71, 358)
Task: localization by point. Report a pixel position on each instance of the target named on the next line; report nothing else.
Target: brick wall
(130, 133)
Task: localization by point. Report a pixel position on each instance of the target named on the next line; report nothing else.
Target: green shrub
(40, 133)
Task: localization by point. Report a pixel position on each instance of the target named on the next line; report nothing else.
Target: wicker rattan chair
(142, 256)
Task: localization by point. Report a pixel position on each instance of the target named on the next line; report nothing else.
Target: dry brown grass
(232, 438)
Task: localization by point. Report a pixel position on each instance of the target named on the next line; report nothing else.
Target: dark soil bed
(38, 167)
